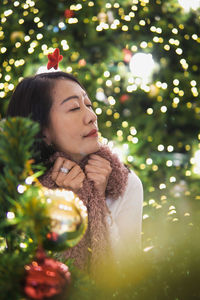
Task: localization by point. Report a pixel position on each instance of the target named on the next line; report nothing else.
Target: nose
(89, 116)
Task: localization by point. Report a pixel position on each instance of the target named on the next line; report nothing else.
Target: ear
(46, 136)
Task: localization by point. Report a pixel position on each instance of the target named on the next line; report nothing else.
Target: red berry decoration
(46, 278)
(69, 13)
(124, 98)
(54, 59)
(127, 55)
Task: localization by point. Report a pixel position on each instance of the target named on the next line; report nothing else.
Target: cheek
(66, 128)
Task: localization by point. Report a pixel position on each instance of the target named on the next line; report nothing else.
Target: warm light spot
(161, 147)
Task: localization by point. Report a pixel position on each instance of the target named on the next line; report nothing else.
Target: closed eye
(75, 108)
(78, 107)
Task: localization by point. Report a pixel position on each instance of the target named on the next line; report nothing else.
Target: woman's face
(73, 125)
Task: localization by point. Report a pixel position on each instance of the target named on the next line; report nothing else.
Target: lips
(93, 132)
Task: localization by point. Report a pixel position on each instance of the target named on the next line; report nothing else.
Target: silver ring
(64, 170)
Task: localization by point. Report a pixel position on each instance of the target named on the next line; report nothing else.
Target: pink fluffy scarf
(95, 243)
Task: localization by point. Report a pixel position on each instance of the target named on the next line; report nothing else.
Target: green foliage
(16, 139)
(11, 275)
(23, 213)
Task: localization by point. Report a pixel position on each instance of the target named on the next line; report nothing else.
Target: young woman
(69, 147)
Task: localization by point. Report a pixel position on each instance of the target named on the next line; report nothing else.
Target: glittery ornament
(68, 217)
(46, 278)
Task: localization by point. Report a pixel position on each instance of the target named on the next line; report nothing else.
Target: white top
(125, 223)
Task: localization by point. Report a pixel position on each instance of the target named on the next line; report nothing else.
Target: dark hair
(32, 99)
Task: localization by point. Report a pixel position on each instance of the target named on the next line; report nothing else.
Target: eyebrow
(72, 97)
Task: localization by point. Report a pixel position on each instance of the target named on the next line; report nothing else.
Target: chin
(92, 149)
(85, 150)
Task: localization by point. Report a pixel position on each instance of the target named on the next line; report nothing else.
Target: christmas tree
(142, 60)
(138, 60)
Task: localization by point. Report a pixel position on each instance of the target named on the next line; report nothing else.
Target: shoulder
(132, 196)
(134, 189)
(126, 214)
(133, 181)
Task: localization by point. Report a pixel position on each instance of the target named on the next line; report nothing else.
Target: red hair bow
(54, 59)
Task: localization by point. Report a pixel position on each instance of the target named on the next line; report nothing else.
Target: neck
(77, 157)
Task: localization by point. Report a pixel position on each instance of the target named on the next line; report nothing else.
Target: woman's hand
(73, 180)
(98, 170)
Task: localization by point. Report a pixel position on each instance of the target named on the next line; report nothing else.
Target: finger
(97, 178)
(99, 158)
(103, 168)
(95, 169)
(97, 164)
(77, 183)
(59, 163)
(69, 165)
(67, 178)
(74, 172)
(96, 160)
(56, 167)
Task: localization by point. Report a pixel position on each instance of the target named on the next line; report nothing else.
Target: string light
(170, 148)
(98, 111)
(29, 180)
(23, 245)
(21, 188)
(149, 161)
(169, 163)
(142, 65)
(161, 148)
(187, 5)
(162, 186)
(10, 215)
(196, 162)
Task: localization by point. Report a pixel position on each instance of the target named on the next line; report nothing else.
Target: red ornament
(54, 59)
(82, 62)
(124, 98)
(127, 55)
(53, 236)
(69, 13)
(45, 277)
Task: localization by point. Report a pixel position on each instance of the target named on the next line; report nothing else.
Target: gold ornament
(69, 219)
(154, 90)
(102, 17)
(17, 35)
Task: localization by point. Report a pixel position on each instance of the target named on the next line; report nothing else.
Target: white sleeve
(126, 212)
